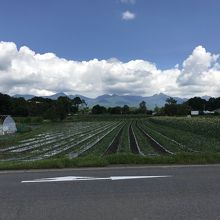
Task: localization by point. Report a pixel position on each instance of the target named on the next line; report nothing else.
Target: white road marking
(80, 178)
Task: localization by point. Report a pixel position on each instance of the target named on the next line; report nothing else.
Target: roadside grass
(90, 161)
(183, 158)
(116, 159)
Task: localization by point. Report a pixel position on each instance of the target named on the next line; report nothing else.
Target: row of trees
(200, 104)
(142, 109)
(60, 108)
(38, 106)
(171, 108)
(63, 106)
(196, 104)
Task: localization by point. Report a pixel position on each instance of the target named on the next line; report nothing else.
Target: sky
(92, 47)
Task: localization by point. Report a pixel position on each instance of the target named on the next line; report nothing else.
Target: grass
(130, 159)
(183, 158)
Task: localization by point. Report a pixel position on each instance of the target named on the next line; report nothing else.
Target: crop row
(56, 143)
(180, 139)
(147, 137)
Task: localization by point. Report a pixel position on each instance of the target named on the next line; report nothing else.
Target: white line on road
(80, 178)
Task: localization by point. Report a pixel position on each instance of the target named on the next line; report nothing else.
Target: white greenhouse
(7, 125)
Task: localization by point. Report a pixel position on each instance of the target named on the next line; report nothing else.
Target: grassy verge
(185, 158)
(130, 159)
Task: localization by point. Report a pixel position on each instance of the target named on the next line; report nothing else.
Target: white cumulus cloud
(23, 71)
(127, 15)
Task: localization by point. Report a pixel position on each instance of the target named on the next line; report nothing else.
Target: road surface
(183, 192)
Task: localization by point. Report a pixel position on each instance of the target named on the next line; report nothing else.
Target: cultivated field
(147, 137)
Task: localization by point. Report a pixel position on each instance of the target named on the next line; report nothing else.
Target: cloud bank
(22, 71)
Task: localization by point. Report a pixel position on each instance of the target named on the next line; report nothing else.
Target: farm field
(148, 137)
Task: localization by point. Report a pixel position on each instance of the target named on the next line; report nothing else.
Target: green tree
(5, 104)
(76, 102)
(19, 107)
(170, 101)
(183, 109)
(125, 109)
(63, 106)
(170, 107)
(142, 107)
(115, 110)
(197, 103)
(157, 110)
(97, 109)
(52, 113)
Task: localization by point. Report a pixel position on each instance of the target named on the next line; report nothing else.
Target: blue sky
(137, 44)
(163, 32)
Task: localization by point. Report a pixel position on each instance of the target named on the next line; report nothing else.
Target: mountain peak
(25, 96)
(103, 96)
(159, 95)
(59, 94)
(56, 95)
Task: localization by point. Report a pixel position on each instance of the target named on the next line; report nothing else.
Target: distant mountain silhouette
(25, 96)
(206, 97)
(56, 95)
(116, 100)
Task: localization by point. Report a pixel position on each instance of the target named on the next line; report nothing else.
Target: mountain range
(115, 100)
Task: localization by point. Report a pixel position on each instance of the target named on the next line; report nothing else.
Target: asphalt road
(191, 192)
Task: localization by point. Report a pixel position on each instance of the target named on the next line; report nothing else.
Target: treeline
(171, 107)
(60, 108)
(64, 106)
(142, 109)
(200, 104)
(38, 106)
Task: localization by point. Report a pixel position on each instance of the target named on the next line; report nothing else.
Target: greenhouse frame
(7, 125)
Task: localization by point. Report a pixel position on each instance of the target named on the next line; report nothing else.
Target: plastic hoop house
(7, 125)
